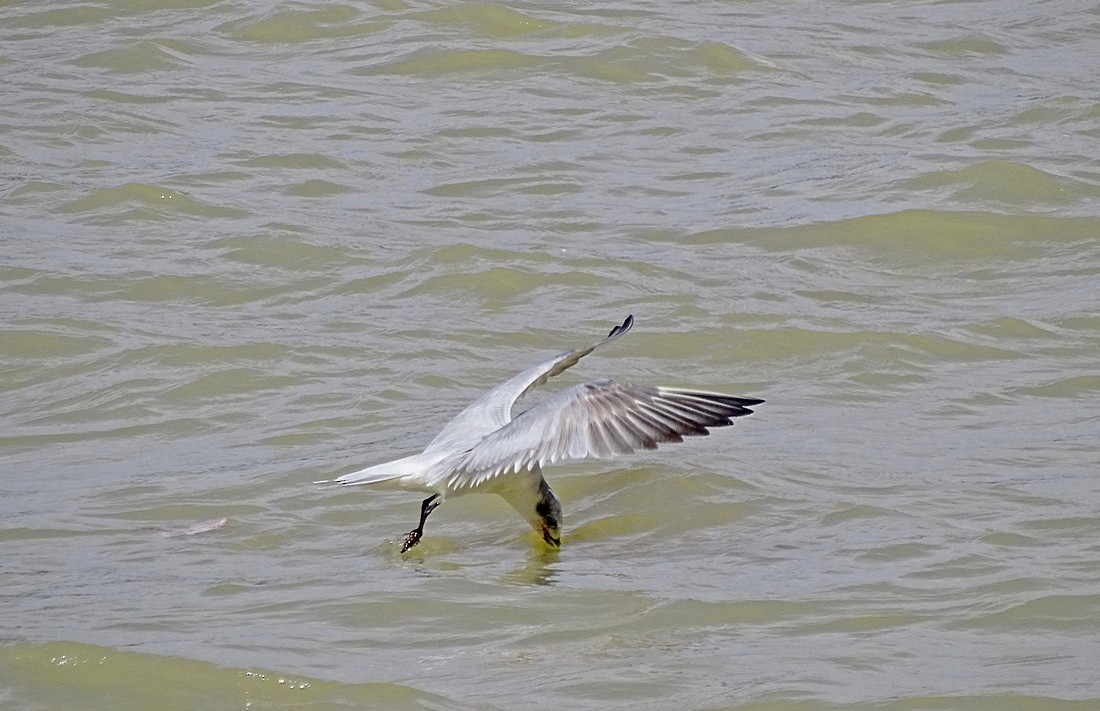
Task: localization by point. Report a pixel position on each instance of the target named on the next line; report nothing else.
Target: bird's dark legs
(413, 536)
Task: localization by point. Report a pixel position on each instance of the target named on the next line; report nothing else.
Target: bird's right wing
(493, 409)
(591, 421)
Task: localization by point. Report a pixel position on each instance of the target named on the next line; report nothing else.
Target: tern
(487, 450)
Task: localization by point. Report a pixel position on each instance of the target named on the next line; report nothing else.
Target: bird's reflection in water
(430, 558)
(540, 568)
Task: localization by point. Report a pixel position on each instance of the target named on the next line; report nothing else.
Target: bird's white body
(485, 449)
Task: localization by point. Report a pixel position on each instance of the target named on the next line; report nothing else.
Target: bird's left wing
(494, 409)
(591, 421)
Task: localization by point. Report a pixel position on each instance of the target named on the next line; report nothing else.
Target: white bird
(485, 450)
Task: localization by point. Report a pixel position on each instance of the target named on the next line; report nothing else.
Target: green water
(248, 246)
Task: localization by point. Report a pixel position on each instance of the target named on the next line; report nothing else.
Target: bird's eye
(545, 512)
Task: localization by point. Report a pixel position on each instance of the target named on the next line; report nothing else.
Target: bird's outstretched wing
(493, 410)
(591, 421)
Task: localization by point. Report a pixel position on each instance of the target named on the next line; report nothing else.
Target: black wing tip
(740, 406)
(735, 400)
(731, 406)
(623, 328)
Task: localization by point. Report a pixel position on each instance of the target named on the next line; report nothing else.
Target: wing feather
(591, 421)
(494, 408)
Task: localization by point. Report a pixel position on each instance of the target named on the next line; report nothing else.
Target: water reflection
(539, 568)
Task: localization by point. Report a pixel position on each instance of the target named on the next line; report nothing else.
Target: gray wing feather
(591, 421)
(493, 409)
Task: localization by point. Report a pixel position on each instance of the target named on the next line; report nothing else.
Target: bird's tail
(390, 472)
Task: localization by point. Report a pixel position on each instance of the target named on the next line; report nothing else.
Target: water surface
(249, 246)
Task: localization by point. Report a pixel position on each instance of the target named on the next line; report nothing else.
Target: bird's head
(547, 520)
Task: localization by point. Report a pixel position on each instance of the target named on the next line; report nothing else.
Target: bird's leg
(413, 536)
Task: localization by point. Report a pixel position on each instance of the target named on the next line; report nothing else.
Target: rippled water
(248, 246)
